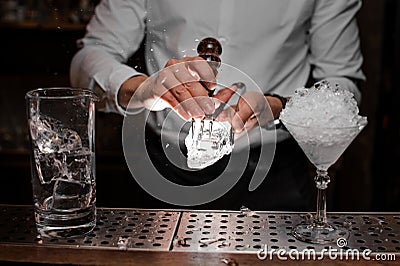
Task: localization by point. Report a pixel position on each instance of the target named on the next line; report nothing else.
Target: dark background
(37, 44)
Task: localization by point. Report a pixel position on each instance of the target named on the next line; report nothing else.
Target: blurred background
(38, 40)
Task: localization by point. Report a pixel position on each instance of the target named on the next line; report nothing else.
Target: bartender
(281, 45)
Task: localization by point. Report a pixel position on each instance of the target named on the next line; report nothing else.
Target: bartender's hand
(176, 86)
(253, 109)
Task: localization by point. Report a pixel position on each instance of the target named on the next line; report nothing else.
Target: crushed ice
(323, 114)
(322, 106)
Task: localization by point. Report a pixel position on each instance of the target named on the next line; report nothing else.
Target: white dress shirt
(277, 43)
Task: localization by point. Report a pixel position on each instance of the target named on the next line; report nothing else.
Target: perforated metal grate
(202, 231)
(247, 233)
(116, 228)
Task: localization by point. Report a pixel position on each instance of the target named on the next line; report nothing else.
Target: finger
(243, 113)
(173, 102)
(182, 95)
(201, 97)
(181, 112)
(166, 96)
(226, 115)
(225, 94)
(251, 123)
(200, 69)
(197, 91)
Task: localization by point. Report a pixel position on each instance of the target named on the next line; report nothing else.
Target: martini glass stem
(321, 180)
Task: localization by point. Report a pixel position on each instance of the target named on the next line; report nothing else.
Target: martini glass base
(317, 234)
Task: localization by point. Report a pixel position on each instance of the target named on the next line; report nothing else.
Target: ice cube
(49, 166)
(70, 194)
(70, 140)
(79, 165)
(207, 142)
(51, 136)
(46, 138)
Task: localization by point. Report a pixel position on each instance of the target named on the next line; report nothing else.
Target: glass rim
(83, 92)
(362, 123)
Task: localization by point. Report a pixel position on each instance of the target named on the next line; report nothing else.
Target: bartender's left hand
(253, 109)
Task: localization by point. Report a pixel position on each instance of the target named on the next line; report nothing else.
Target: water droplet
(151, 49)
(39, 239)
(229, 261)
(196, 40)
(123, 243)
(224, 244)
(246, 211)
(167, 145)
(180, 241)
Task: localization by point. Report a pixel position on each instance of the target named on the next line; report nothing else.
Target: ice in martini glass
(324, 121)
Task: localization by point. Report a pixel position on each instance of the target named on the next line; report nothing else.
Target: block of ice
(70, 194)
(207, 142)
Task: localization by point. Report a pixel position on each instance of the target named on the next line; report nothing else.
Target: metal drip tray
(235, 232)
(198, 231)
(123, 229)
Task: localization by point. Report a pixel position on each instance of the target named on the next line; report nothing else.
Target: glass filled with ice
(61, 129)
(324, 120)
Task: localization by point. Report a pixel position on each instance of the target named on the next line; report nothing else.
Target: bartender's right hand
(182, 85)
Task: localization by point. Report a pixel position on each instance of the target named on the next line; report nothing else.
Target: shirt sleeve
(334, 43)
(114, 33)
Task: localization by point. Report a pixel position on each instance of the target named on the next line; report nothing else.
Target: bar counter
(186, 237)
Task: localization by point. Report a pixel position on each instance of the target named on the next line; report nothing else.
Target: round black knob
(210, 49)
(209, 46)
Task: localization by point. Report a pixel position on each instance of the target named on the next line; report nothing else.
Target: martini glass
(322, 146)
